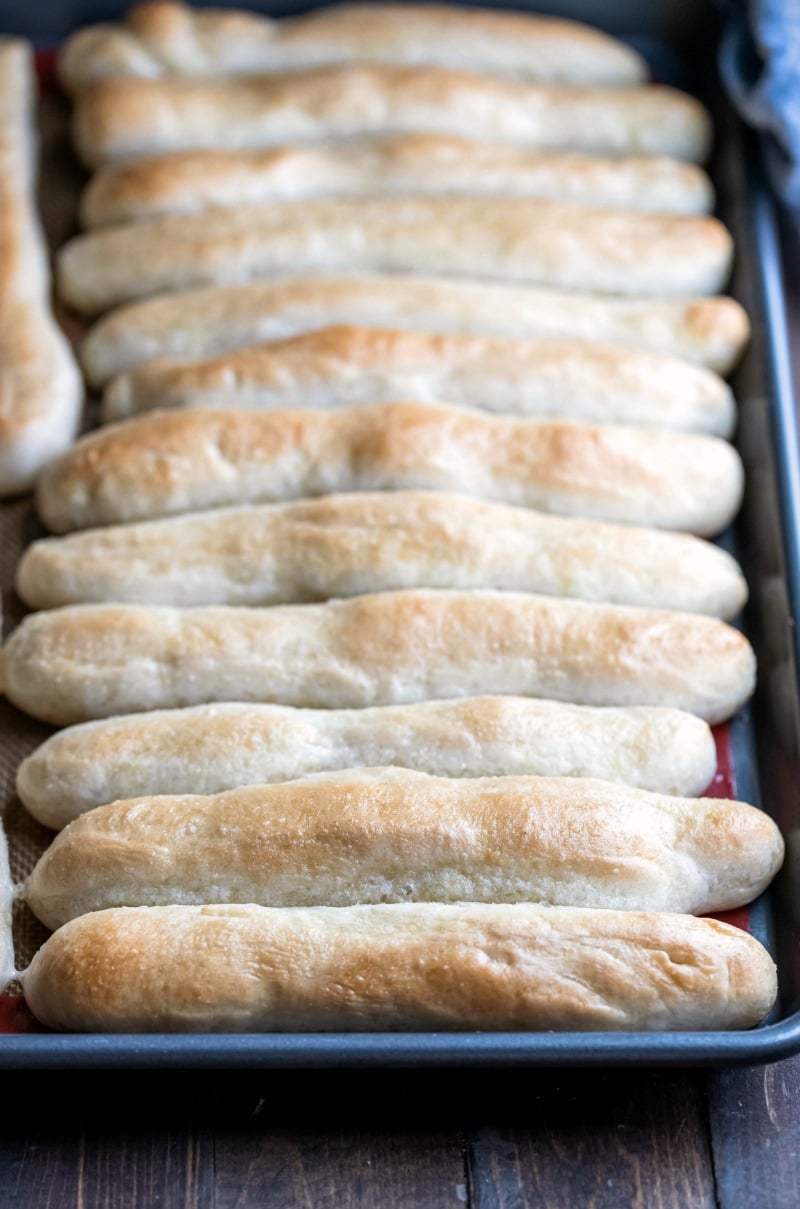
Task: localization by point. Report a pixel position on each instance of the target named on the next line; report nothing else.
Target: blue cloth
(760, 68)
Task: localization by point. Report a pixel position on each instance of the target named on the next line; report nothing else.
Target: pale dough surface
(164, 38)
(392, 648)
(348, 365)
(122, 119)
(517, 240)
(170, 462)
(204, 323)
(396, 165)
(348, 545)
(208, 748)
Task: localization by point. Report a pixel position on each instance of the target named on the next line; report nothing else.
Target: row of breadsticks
(388, 651)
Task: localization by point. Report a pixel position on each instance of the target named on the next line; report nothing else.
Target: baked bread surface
(346, 366)
(165, 38)
(189, 182)
(172, 462)
(349, 545)
(387, 835)
(93, 661)
(417, 996)
(203, 323)
(409, 966)
(209, 748)
(533, 242)
(40, 386)
(121, 119)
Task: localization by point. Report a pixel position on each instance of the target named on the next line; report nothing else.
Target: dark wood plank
(338, 1169)
(755, 1136)
(344, 1140)
(41, 1170)
(359, 1140)
(163, 1169)
(111, 1143)
(598, 1142)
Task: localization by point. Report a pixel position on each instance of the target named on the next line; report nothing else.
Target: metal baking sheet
(763, 739)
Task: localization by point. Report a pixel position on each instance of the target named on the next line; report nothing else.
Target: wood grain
(338, 1169)
(342, 1140)
(755, 1127)
(598, 1142)
(108, 1169)
(404, 1140)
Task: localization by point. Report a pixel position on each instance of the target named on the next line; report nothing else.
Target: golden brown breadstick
(94, 661)
(521, 240)
(186, 461)
(205, 323)
(166, 38)
(407, 966)
(209, 748)
(397, 165)
(390, 835)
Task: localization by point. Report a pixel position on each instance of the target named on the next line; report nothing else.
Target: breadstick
(163, 38)
(186, 461)
(205, 323)
(344, 366)
(40, 385)
(406, 966)
(389, 835)
(7, 970)
(209, 748)
(93, 661)
(495, 239)
(401, 165)
(119, 119)
(347, 545)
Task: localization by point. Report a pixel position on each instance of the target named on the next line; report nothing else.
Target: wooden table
(405, 1140)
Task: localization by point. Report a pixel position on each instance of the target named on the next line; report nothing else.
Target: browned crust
(162, 38)
(411, 966)
(170, 462)
(125, 118)
(40, 387)
(392, 835)
(92, 661)
(528, 241)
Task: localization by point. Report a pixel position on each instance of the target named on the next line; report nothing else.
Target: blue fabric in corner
(760, 67)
